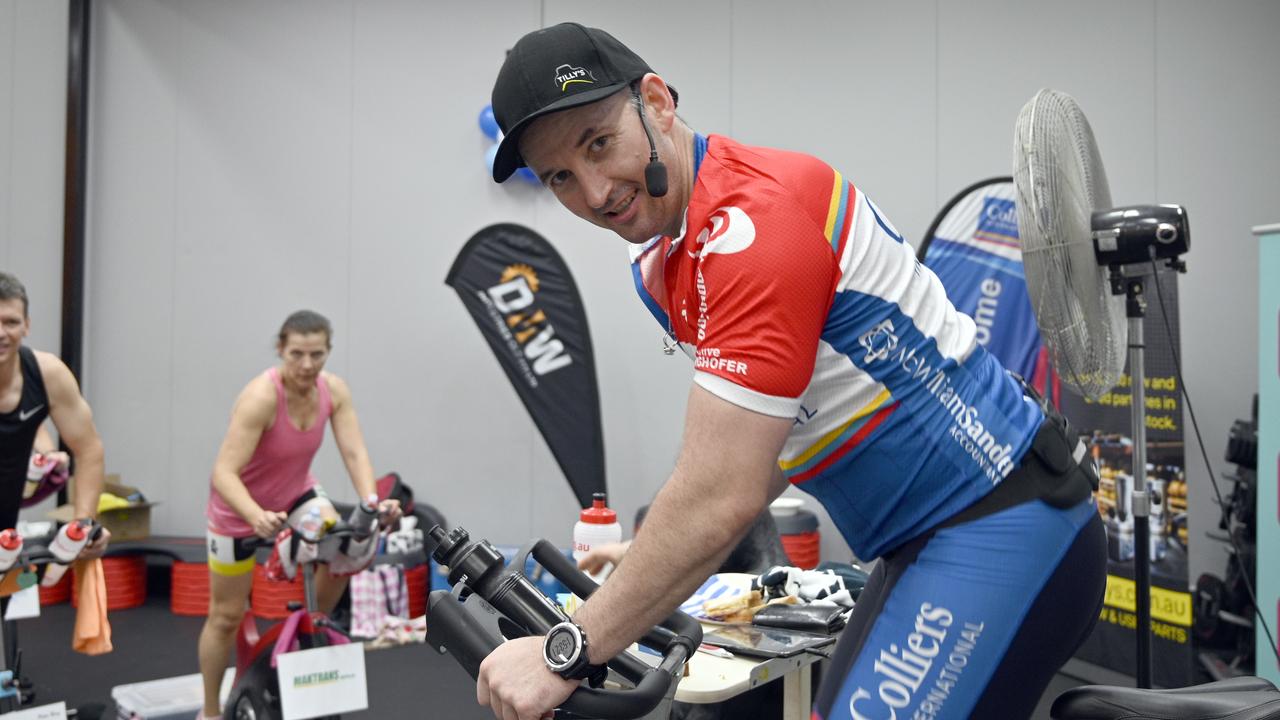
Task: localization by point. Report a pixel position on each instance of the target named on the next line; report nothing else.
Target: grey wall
(252, 158)
(33, 86)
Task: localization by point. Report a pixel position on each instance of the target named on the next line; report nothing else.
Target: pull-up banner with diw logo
(523, 298)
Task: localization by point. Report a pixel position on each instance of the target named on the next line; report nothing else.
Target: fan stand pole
(1136, 308)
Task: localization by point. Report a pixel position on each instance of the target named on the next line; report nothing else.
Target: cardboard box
(126, 523)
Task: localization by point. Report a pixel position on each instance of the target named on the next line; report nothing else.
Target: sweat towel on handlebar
(92, 635)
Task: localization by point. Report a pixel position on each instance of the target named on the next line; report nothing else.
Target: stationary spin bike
(490, 603)
(255, 693)
(34, 559)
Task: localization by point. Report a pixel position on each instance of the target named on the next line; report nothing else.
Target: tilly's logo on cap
(567, 74)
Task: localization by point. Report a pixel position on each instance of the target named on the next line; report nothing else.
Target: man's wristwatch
(565, 652)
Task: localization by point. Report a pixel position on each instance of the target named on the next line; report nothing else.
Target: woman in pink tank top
(264, 467)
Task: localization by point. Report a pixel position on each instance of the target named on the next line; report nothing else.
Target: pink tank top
(280, 469)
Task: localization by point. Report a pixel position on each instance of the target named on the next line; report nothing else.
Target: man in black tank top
(34, 386)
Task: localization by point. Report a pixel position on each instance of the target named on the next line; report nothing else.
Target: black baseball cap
(555, 69)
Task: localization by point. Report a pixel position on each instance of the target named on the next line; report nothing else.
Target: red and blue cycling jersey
(796, 298)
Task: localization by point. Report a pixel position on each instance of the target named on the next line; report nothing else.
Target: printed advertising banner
(522, 297)
(974, 249)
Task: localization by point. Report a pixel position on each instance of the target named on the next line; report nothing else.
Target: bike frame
(304, 628)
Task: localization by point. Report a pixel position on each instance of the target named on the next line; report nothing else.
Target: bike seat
(1242, 698)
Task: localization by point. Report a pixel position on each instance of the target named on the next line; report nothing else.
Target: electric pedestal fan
(1086, 264)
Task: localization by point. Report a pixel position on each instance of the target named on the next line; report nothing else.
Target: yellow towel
(107, 501)
(92, 633)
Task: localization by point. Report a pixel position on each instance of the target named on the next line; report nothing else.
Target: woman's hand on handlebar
(267, 523)
(389, 512)
(516, 683)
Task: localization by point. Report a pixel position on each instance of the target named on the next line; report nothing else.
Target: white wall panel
(1218, 153)
(993, 56)
(33, 91)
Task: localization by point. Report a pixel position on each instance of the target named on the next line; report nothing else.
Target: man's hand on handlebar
(61, 460)
(516, 684)
(268, 523)
(97, 547)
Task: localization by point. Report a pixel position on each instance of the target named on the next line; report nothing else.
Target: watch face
(561, 647)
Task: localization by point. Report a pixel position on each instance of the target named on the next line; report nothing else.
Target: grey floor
(150, 643)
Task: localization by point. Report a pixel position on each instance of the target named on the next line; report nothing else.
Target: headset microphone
(655, 173)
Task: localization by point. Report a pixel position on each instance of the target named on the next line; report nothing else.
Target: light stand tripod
(1129, 241)
(1136, 310)
(1132, 285)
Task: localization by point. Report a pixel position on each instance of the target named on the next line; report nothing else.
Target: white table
(713, 679)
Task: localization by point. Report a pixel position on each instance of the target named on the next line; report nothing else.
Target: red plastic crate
(126, 581)
(189, 589)
(270, 600)
(58, 594)
(803, 549)
(418, 580)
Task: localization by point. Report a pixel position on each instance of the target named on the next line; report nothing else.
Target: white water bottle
(38, 467)
(10, 548)
(312, 524)
(596, 526)
(66, 546)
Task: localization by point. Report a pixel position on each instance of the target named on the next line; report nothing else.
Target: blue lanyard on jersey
(699, 149)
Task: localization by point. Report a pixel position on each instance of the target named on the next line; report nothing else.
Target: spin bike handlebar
(38, 555)
(524, 610)
(337, 531)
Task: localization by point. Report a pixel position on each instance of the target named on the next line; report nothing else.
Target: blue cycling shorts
(971, 620)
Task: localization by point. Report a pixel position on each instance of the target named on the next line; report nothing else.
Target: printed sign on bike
(56, 711)
(323, 681)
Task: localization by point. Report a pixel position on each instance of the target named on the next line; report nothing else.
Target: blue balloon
(488, 123)
(527, 174)
(489, 156)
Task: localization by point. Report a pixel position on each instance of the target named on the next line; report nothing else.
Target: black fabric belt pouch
(1049, 470)
(1066, 481)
